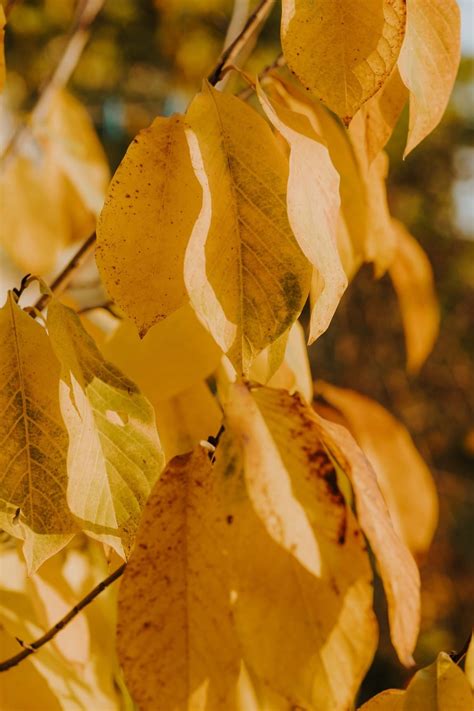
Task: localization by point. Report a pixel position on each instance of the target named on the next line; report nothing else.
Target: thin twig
(77, 37)
(34, 646)
(229, 55)
(65, 276)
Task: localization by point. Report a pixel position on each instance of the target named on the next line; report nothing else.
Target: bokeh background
(146, 58)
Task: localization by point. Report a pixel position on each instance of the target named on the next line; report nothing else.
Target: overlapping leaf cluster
(244, 511)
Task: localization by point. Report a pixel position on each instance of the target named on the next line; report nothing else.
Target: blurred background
(146, 58)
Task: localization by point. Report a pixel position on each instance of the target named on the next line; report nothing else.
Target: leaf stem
(34, 646)
(229, 54)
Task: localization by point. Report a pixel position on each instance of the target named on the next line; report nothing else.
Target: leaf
(404, 479)
(342, 53)
(89, 684)
(316, 656)
(153, 202)
(412, 278)
(382, 112)
(428, 63)
(187, 418)
(469, 663)
(389, 700)
(313, 207)
(398, 570)
(69, 133)
(174, 355)
(245, 274)
(114, 453)
(352, 187)
(33, 439)
(440, 687)
(175, 638)
(294, 374)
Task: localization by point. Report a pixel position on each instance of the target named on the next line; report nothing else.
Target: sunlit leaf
(315, 656)
(246, 276)
(114, 454)
(429, 62)
(174, 355)
(33, 439)
(342, 52)
(398, 570)
(176, 640)
(313, 208)
(412, 277)
(153, 202)
(2, 52)
(187, 418)
(440, 687)
(404, 479)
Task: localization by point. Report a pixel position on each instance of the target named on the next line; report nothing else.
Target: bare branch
(228, 56)
(86, 11)
(29, 649)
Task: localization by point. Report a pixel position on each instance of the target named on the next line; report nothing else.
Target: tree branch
(228, 56)
(86, 11)
(248, 91)
(65, 276)
(34, 646)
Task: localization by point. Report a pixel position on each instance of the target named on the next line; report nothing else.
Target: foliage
(179, 434)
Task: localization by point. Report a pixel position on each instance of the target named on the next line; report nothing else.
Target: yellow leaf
(342, 53)
(174, 355)
(389, 700)
(153, 202)
(412, 278)
(429, 62)
(114, 454)
(440, 687)
(404, 479)
(316, 655)
(313, 209)
(398, 570)
(294, 374)
(68, 132)
(382, 112)
(469, 663)
(33, 439)
(32, 235)
(89, 684)
(352, 187)
(23, 687)
(176, 640)
(246, 276)
(187, 418)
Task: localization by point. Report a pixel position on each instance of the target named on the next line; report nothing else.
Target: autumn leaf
(342, 53)
(245, 274)
(316, 656)
(381, 113)
(412, 278)
(313, 209)
(33, 504)
(404, 479)
(114, 454)
(174, 355)
(440, 687)
(352, 187)
(428, 63)
(176, 640)
(398, 570)
(153, 202)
